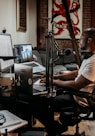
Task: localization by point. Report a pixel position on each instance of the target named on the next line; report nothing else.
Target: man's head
(87, 40)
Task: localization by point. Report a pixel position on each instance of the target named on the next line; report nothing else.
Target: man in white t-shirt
(82, 79)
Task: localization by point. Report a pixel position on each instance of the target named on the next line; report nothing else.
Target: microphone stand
(50, 45)
(47, 64)
(49, 52)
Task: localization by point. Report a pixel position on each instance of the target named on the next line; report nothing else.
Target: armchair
(71, 116)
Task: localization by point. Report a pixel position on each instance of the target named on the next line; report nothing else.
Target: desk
(28, 104)
(19, 105)
(24, 105)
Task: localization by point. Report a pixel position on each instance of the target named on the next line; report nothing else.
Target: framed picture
(21, 15)
(58, 24)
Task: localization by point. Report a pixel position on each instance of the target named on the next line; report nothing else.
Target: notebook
(24, 55)
(24, 81)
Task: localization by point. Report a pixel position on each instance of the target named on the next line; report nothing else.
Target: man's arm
(70, 75)
(77, 84)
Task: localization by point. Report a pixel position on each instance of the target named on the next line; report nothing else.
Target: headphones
(88, 55)
(2, 119)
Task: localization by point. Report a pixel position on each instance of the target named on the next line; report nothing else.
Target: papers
(12, 121)
(42, 87)
(39, 86)
(39, 83)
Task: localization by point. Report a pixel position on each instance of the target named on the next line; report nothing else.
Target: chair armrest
(89, 96)
(70, 90)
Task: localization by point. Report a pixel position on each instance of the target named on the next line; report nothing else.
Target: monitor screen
(6, 51)
(23, 53)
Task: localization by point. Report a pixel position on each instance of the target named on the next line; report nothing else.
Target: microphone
(61, 53)
(65, 52)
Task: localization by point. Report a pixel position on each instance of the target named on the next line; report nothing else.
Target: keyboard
(39, 87)
(36, 66)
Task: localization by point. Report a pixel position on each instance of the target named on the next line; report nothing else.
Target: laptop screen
(23, 53)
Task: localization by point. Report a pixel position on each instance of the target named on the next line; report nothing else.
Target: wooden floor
(87, 126)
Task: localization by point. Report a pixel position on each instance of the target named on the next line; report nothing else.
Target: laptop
(24, 55)
(24, 81)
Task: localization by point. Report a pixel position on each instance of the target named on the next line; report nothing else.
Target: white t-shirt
(87, 70)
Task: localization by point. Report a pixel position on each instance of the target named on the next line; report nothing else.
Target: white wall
(8, 20)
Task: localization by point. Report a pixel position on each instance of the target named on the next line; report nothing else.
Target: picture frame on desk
(21, 18)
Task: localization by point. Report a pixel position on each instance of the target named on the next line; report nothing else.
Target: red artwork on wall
(59, 24)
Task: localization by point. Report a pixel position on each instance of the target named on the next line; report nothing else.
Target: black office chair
(71, 116)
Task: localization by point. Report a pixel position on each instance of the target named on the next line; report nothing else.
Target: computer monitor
(6, 52)
(23, 53)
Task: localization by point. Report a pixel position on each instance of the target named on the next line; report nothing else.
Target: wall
(63, 43)
(8, 20)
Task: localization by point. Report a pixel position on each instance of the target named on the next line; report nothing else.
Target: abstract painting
(58, 23)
